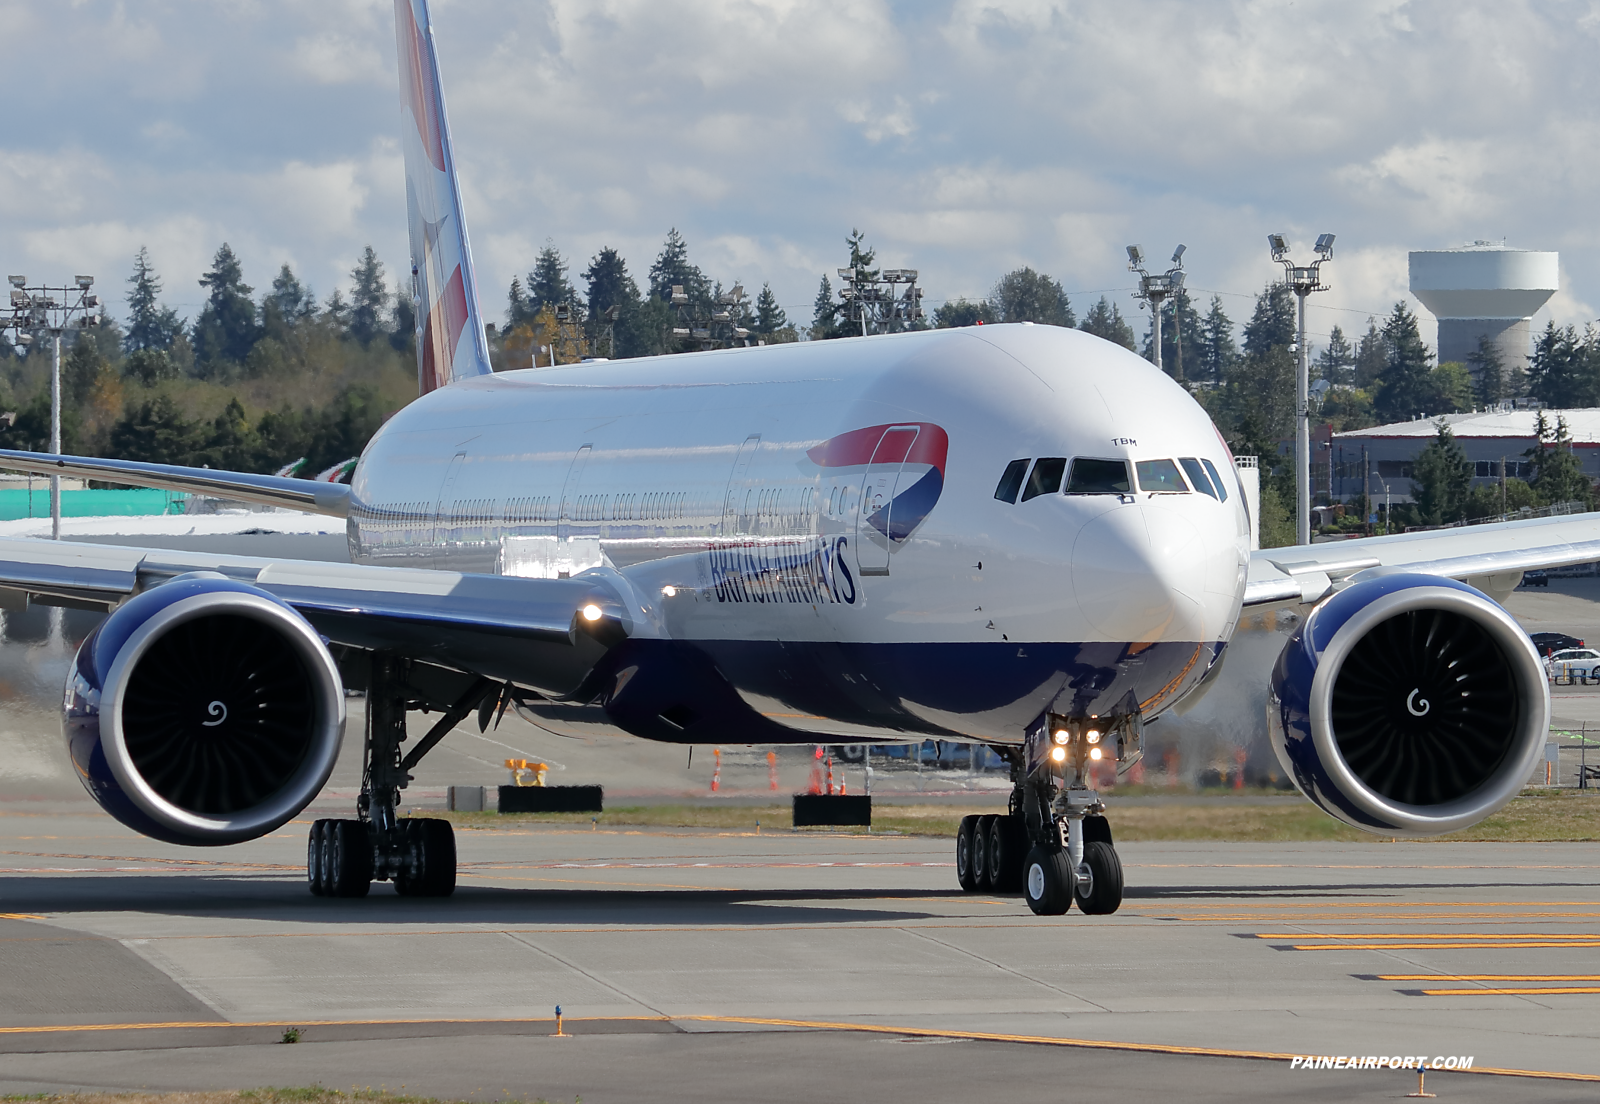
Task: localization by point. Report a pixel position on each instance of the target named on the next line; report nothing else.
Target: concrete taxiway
(700, 965)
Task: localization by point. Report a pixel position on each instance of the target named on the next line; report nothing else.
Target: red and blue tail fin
(450, 338)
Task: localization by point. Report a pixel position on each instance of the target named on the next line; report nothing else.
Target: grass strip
(1537, 816)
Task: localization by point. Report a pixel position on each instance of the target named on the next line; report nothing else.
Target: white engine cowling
(203, 711)
(1409, 705)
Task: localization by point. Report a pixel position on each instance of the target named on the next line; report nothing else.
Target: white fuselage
(820, 520)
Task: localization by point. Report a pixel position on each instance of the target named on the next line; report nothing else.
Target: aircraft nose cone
(1138, 573)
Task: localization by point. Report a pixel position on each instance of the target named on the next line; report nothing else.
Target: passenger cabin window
(1046, 477)
(1197, 476)
(1160, 476)
(1216, 480)
(1099, 477)
(1011, 481)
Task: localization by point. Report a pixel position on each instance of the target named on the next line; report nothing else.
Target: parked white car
(1572, 663)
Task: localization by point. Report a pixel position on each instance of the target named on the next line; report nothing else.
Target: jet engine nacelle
(203, 711)
(1409, 705)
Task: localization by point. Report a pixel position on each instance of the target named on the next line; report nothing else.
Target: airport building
(1484, 290)
(1385, 454)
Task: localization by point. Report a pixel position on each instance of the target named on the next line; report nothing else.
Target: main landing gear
(344, 857)
(1054, 845)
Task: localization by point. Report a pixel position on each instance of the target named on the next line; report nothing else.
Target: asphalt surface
(128, 964)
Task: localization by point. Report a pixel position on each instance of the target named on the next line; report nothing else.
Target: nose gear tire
(1104, 894)
(1048, 881)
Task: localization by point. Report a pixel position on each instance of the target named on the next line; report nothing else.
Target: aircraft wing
(1489, 557)
(536, 632)
(267, 490)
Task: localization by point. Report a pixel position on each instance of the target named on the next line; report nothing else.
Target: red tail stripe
(422, 91)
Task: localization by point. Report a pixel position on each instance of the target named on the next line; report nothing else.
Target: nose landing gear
(1054, 845)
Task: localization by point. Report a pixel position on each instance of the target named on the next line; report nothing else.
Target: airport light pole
(1154, 290)
(52, 310)
(1302, 280)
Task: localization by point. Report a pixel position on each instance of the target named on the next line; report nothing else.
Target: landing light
(1059, 754)
(591, 612)
(669, 592)
(1094, 753)
(1062, 736)
(1092, 736)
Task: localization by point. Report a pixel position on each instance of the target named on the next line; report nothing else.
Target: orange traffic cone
(716, 775)
(830, 776)
(772, 770)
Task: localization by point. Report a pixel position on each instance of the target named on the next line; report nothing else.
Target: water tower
(1484, 289)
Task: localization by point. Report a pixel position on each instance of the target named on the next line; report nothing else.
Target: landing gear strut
(344, 857)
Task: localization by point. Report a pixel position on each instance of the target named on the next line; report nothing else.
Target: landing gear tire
(966, 844)
(1103, 892)
(339, 859)
(1048, 881)
(1008, 852)
(431, 867)
(982, 872)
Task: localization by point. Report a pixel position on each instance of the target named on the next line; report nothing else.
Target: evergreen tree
(1565, 370)
(610, 287)
(824, 314)
(1105, 320)
(1442, 479)
(770, 317)
(80, 370)
(861, 258)
(547, 283)
(1028, 296)
(1490, 385)
(1449, 389)
(672, 268)
(157, 432)
(150, 325)
(1336, 362)
(226, 328)
(1558, 471)
(1273, 323)
(1179, 321)
(963, 312)
(289, 300)
(233, 444)
(518, 312)
(1371, 357)
(337, 312)
(1217, 350)
(369, 298)
(1405, 390)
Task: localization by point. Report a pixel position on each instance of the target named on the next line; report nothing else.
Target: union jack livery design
(450, 338)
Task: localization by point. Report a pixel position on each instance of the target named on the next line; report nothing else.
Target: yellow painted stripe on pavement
(1519, 992)
(1091, 1044)
(1488, 977)
(52, 1029)
(1457, 936)
(1434, 946)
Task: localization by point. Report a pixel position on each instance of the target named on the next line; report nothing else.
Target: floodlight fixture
(84, 282)
(1177, 254)
(1278, 244)
(18, 281)
(1324, 246)
(1135, 257)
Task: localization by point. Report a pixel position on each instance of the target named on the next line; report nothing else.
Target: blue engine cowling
(1409, 705)
(203, 711)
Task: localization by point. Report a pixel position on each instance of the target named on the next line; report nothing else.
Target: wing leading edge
(1489, 557)
(332, 499)
(527, 631)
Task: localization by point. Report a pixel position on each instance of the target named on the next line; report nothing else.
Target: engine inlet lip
(309, 777)
(1527, 743)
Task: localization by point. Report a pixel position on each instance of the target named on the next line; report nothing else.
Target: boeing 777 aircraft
(1017, 535)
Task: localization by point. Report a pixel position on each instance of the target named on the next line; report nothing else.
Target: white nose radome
(1139, 575)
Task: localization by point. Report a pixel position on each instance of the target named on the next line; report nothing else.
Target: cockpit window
(1216, 480)
(1046, 477)
(1159, 476)
(1099, 477)
(1197, 476)
(1011, 481)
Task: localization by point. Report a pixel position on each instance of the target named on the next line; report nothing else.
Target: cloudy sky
(965, 137)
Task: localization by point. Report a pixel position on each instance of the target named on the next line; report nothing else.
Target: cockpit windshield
(1160, 476)
(1099, 477)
